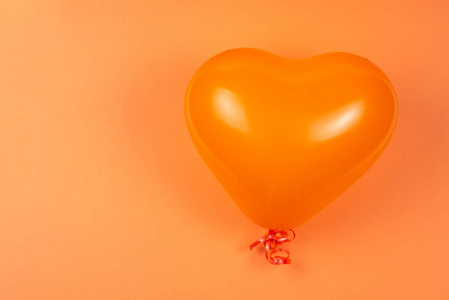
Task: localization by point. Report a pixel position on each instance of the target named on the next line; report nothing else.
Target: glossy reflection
(286, 137)
(337, 122)
(230, 110)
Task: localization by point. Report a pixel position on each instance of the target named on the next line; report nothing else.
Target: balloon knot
(271, 240)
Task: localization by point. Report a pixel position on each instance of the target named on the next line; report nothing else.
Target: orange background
(103, 195)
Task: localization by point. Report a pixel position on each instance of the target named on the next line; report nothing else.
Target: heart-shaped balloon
(286, 137)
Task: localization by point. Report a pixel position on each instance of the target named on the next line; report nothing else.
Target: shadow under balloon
(391, 187)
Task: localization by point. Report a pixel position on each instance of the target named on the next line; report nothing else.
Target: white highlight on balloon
(230, 110)
(337, 122)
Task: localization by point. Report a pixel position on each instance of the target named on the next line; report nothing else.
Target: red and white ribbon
(271, 240)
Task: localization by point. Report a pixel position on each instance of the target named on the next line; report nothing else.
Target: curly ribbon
(271, 240)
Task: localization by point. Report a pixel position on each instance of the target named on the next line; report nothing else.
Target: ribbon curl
(271, 240)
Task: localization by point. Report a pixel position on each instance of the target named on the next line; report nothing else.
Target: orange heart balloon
(286, 137)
